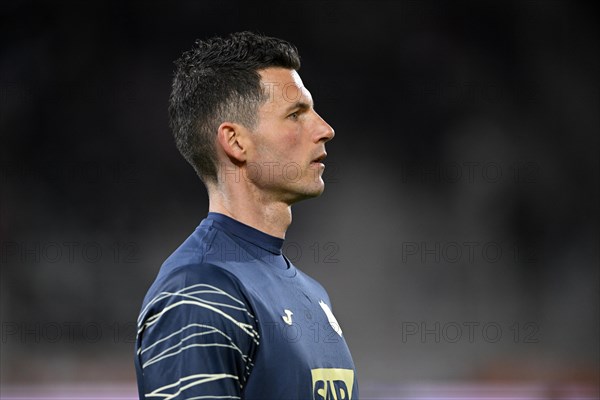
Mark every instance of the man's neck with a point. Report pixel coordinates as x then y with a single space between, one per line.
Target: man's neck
267 216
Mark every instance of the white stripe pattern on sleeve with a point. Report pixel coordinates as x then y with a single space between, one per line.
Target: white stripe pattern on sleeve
172 340
197 379
197 301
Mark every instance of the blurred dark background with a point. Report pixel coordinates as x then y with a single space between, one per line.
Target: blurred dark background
458 233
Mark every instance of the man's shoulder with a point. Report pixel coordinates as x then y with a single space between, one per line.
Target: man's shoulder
306 280
181 274
190 265
190 281
193 257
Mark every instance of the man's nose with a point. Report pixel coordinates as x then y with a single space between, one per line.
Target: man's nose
325 131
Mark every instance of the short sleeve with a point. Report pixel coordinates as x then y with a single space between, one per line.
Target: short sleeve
197 337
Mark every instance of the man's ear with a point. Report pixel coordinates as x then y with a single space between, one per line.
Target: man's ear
231 139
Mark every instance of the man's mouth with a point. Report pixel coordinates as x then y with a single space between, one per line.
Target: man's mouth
319 159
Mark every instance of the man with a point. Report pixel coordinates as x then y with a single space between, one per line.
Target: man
229 316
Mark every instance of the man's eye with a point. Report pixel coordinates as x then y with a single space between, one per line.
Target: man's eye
294 115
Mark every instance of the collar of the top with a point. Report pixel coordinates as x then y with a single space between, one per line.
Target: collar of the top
245 232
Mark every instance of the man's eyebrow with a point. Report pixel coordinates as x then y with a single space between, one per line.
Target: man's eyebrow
299 105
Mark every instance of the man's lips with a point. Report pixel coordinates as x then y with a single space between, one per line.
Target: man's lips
319 159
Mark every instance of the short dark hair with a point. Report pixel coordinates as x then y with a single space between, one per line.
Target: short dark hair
216 81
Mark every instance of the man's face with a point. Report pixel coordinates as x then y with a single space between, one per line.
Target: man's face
288 144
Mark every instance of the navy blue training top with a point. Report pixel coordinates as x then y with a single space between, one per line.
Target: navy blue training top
230 317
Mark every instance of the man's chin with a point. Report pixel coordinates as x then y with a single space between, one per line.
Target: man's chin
308 193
